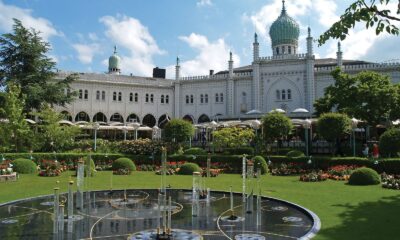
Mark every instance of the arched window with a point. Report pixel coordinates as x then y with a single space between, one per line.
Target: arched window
221 97
114 96
86 94
136 97
119 96
283 95
167 99
289 94
80 94
147 97
206 98
278 95
162 98
191 99
277 51
201 98
187 99
97 95
216 98
244 97
289 49
103 95
130 97
151 98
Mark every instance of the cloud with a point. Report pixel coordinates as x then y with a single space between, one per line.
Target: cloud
211 55
8 12
202 3
86 52
130 34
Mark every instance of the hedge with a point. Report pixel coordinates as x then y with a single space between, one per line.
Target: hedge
388 165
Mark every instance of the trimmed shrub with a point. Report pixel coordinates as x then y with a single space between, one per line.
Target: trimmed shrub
295 154
123 163
364 176
239 151
22 165
389 142
189 169
195 151
259 162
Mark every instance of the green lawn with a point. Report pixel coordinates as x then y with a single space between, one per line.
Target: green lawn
346 212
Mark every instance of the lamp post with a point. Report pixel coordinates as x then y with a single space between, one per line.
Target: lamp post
213 126
135 126
256 125
354 123
96 126
306 126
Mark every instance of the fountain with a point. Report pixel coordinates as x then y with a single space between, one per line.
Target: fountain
80 175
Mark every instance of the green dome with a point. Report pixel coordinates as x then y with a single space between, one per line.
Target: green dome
114 60
285 30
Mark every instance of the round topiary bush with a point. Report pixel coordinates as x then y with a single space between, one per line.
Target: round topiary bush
295 154
189 169
364 176
389 142
259 162
22 165
195 151
123 163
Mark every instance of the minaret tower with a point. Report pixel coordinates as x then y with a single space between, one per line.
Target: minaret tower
339 55
177 69
230 91
256 48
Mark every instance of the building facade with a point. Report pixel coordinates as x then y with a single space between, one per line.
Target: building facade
287 80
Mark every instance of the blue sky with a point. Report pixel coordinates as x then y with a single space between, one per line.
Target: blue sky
202 32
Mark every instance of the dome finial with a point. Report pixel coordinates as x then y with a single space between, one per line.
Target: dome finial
283 6
255 38
177 61
115 49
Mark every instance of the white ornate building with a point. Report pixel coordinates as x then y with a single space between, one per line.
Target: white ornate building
286 80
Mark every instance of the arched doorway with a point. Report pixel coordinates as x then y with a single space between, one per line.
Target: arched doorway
149 120
66 116
203 119
116 117
82 116
188 118
164 119
133 118
99 117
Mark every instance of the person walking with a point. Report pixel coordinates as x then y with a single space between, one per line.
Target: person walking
375 151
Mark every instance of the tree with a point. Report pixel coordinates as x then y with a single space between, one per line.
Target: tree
382 17
52 135
178 130
23 61
368 96
233 137
15 132
276 126
389 142
331 126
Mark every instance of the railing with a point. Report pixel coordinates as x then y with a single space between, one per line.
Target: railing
359 67
284 57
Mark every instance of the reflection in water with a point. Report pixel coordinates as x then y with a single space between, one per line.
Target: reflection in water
135 214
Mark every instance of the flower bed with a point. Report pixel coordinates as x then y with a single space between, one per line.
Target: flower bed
122 171
284 169
341 172
314 177
50 168
390 181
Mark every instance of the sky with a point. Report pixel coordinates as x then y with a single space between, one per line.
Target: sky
150 33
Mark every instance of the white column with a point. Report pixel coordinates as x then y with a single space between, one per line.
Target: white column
177 99
230 89
256 103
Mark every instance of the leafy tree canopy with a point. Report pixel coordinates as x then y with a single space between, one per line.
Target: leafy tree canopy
276 125
333 125
178 130
368 96
15 133
23 61
382 14
233 137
